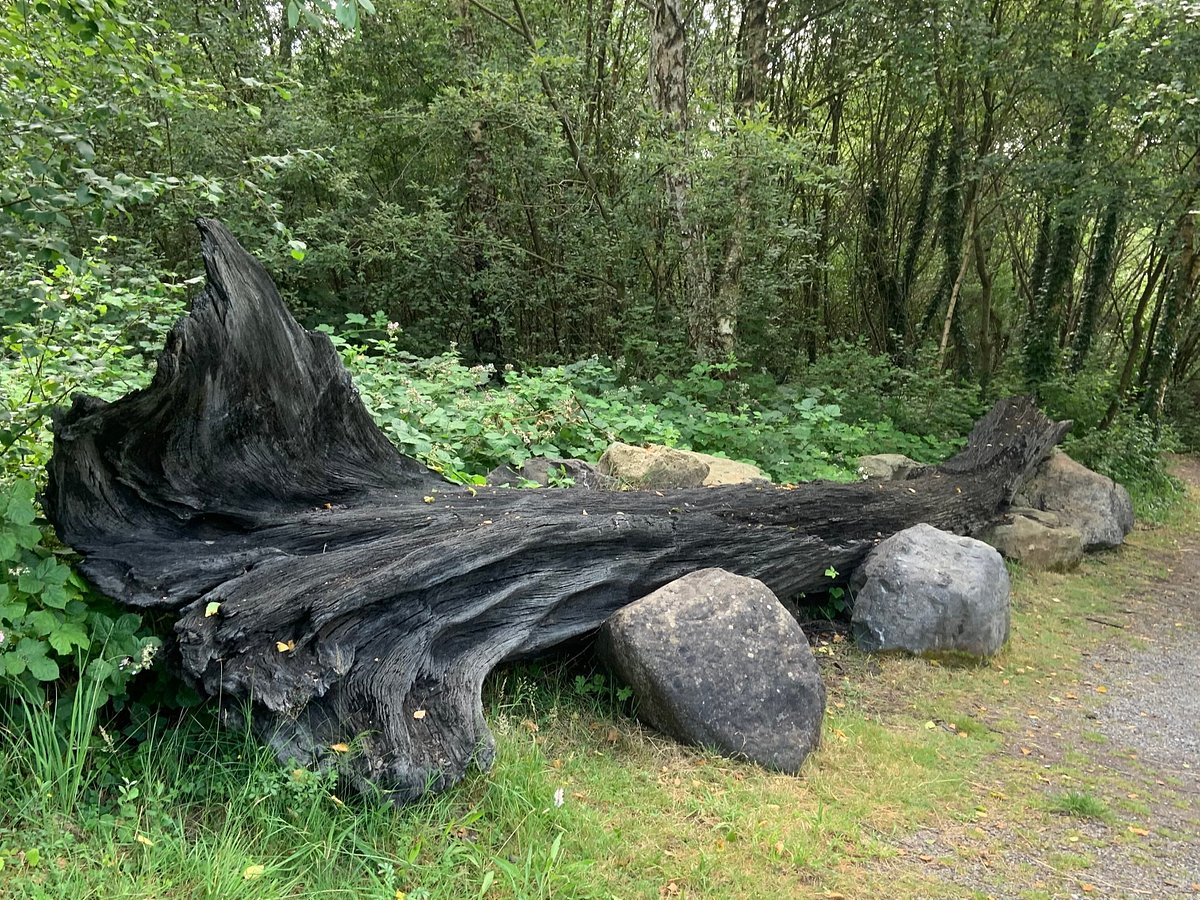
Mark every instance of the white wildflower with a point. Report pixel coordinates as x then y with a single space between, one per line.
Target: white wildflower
393 327
148 652
558 797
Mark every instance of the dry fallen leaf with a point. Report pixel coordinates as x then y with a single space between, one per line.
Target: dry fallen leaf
212 609
144 841
427 499
340 748
1087 888
418 714
250 873
1101 689
285 646
1139 831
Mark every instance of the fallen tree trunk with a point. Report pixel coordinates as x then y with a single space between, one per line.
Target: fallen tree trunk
349 593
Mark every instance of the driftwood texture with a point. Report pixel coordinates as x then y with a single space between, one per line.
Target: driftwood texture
249 475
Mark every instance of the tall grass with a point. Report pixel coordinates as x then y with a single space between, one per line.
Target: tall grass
52 735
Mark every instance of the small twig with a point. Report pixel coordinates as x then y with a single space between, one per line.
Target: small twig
1100 621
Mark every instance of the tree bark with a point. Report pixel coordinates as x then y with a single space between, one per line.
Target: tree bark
710 328
349 595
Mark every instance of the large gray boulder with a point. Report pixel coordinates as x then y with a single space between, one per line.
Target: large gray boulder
1097 506
657 467
715 660
923 590
1036 539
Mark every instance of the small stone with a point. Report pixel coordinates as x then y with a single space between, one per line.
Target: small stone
1037 540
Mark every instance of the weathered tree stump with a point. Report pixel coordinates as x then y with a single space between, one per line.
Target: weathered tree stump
249 475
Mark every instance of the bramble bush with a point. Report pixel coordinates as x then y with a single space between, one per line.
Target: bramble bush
465 420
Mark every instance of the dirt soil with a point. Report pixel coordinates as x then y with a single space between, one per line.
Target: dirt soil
1128 736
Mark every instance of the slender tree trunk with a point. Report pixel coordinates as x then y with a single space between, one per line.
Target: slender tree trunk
986 282
1043 332
486 333
817 289
952 305
751 90
1096 284
1162 358
710 328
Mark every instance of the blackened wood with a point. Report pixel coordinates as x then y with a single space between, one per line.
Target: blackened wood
249 475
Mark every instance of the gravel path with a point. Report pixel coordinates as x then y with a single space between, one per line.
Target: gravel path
1152 722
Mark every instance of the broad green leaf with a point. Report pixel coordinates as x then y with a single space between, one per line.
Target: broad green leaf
27 536
40 666
43 622
29 583
100 669
20 503
67 636
10 612
54 596
346 12
293 12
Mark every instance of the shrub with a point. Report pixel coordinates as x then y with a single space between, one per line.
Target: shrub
1130 451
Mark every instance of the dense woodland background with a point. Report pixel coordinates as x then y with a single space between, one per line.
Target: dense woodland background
979 197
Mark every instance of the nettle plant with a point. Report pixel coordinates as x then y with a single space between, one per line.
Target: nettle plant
52 624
